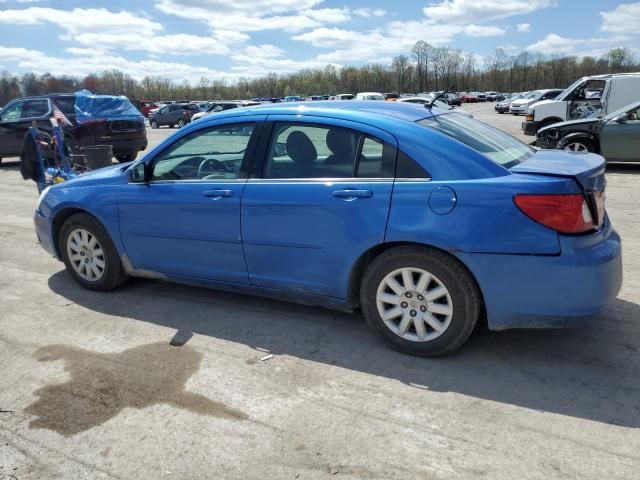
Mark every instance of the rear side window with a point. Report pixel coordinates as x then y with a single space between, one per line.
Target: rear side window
406 167
326 151
35 108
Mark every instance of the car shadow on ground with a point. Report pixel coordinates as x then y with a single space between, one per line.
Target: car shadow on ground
591 372
626 168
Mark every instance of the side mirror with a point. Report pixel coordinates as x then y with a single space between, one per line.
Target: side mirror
138 174
622 118
281 149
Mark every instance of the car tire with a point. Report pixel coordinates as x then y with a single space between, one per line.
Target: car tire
580 145
84 241
153 124
439 311
181 123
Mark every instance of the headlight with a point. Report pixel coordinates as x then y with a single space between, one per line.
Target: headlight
42 195
530 111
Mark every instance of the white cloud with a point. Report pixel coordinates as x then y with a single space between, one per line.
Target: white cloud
553 43
461 11
369 12
96 62
523 27
624 19
483 31
262 59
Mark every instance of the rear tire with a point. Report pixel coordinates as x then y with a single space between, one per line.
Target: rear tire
181 123
154 124
433 316
129 157
89 254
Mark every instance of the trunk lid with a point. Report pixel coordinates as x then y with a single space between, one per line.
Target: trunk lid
586 169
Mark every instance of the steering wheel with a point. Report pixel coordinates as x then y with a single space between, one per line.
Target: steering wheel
210 166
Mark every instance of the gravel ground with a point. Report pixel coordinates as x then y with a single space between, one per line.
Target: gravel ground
92 388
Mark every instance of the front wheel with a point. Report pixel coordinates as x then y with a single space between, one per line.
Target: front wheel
89 254
420 301
154 124
579 146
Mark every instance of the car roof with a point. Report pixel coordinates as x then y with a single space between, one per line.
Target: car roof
372 112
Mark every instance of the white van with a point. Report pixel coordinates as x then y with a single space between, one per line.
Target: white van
600 94
370 96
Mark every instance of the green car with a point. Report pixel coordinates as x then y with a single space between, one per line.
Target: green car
616 137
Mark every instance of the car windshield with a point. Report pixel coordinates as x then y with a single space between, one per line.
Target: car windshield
491 142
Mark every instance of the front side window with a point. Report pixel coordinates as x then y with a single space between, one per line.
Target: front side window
491 142
34 108
326 151
210 154
12 112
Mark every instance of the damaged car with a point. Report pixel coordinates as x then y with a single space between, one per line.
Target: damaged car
616 136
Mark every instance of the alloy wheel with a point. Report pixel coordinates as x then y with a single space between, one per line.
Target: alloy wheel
414 304
576 147
86 254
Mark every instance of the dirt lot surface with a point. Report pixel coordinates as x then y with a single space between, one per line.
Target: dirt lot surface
92 388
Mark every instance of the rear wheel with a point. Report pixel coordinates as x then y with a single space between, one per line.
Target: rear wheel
126 157
420 300
154 124
89 254
579 146
181 123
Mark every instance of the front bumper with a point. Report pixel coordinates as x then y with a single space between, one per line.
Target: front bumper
44 232
531 291
530 127
518 110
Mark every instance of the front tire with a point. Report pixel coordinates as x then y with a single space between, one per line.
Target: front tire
579 146
89 254
154 124
420 300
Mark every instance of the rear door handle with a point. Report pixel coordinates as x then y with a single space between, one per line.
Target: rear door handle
218 193
352 194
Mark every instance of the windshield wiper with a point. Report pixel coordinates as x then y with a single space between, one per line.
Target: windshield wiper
440 95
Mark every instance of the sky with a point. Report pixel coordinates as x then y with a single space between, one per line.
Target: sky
184 40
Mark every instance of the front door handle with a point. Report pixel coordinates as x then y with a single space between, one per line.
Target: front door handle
350 195
218 193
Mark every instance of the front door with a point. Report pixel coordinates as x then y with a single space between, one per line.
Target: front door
320 200
185 221
620 138
15 121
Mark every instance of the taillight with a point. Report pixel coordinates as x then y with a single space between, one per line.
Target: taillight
563 213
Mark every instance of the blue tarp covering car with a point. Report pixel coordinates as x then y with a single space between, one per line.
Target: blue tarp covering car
90 107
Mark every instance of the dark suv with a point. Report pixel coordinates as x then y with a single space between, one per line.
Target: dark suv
127 137
174 114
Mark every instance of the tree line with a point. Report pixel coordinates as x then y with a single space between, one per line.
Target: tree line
425 68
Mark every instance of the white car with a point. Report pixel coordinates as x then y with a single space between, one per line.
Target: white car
519 107
370 96
216 107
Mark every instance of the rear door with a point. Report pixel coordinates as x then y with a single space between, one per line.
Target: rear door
319 200
16 120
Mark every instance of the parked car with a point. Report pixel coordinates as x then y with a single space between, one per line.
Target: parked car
502 106
175 114
586 96
482 97
467 97
369 96
424 257
344 96
126 134
491 96
315 98
293 98
145 107
391 97
520 106
217 107
615 136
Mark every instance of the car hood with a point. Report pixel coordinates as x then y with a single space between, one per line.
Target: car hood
103 176
521 102
580 122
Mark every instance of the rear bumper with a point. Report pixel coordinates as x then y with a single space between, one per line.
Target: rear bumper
530 127
531 291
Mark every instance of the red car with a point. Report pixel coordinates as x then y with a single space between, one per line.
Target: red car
146 106
467 97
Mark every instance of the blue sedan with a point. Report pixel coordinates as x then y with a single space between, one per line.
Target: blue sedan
426 219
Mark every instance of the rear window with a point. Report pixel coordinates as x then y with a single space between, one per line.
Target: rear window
498 146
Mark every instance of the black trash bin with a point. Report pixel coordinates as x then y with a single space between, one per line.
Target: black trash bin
98 156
